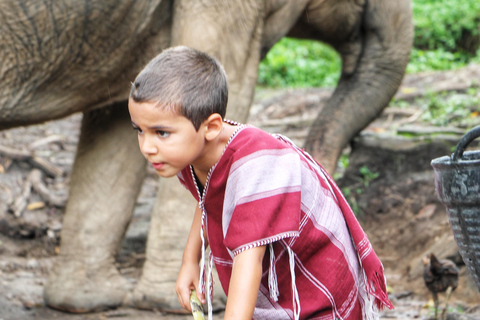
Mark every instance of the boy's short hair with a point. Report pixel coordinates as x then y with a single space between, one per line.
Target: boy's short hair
186 80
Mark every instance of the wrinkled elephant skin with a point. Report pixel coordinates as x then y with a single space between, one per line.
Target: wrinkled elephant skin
62 57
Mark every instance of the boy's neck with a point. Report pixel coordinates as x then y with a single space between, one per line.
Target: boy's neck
213 151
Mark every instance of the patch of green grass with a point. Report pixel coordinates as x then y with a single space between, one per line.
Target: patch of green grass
451 309
440 24
432 60
459 109
368 176
350 196
300 63
352 193
305 63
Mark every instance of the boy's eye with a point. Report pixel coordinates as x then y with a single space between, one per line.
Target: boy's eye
137 129
163 134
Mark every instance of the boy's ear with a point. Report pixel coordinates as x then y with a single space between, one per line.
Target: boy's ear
213 126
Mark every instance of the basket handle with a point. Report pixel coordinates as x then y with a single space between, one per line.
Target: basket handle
464 142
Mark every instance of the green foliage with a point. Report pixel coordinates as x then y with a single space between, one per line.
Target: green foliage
350 197
352 193
450 309
300 63
342 165
440 24
442 109
368 176
439 59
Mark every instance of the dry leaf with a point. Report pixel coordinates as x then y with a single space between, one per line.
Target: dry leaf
36 205
408 90
427 211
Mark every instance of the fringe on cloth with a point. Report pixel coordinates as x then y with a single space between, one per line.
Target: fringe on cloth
272 276
374 294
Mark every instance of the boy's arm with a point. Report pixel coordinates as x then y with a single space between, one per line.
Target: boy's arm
244 284
189 274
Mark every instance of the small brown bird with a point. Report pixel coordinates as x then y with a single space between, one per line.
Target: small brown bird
440 275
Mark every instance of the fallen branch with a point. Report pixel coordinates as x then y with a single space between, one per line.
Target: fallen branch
47 140
46 166
42 190
35 181
412 118
20 203
419 85
14 153
37 162
428 130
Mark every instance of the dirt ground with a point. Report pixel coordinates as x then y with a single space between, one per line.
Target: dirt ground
395 198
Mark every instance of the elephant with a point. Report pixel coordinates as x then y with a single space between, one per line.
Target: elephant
66 56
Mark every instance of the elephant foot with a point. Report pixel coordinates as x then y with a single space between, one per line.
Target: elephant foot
156 290
78 288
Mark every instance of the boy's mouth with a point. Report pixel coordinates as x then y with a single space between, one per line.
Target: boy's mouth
157 166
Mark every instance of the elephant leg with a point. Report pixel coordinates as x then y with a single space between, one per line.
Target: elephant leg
105 182
169 227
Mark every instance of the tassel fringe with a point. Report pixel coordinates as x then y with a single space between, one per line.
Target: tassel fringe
272 276
296 299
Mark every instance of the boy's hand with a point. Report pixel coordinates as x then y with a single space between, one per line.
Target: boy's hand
187 281
189 274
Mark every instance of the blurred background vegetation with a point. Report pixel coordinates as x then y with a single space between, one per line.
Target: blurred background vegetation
447 36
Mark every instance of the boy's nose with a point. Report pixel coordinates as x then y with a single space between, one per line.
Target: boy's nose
147 147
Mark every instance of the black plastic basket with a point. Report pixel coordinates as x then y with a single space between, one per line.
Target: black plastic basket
457 182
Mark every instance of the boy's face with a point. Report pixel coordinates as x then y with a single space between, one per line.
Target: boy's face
167 140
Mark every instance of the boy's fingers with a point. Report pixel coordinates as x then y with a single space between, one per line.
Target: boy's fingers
201 296
184 299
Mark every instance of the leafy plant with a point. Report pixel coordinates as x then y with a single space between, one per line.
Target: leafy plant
300 63
440 24
442 109
350 197
439 27
439 59
368 176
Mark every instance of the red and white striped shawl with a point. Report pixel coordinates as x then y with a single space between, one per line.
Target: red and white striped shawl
319 263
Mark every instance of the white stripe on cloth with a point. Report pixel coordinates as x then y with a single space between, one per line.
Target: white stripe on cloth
317 283
321 209
266 309
327 218
248 180
370 311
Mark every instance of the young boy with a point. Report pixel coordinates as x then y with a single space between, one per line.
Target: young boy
283 239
